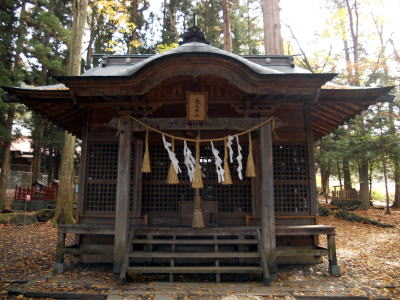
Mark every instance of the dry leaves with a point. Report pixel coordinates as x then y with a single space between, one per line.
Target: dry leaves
369 258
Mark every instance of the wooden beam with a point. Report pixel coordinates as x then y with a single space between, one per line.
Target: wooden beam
325 118
323 126
329 110
342 108
123 190
267 197
238 124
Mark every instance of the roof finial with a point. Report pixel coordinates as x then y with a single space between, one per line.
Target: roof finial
194 34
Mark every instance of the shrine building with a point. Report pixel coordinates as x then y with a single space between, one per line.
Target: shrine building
197 160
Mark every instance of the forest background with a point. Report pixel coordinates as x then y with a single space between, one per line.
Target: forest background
359 40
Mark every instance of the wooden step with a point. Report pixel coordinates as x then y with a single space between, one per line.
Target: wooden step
186 231
301 251
194 254
196 269
197 242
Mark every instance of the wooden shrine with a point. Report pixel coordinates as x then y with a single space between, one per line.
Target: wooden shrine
141 223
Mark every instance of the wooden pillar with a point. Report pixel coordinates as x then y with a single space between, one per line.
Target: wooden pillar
60 251
267 198
312 184
123 189
82 185
333 266
83 166
137 179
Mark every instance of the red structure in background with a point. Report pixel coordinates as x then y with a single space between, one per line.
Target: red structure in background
35 193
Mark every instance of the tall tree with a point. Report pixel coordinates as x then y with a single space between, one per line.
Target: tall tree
227 26
273 42
37 140
209 20
65 194
5 166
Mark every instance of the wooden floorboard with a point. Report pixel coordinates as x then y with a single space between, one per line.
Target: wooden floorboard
196 269
197 242
194 254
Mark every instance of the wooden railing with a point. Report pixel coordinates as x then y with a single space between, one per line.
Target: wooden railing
31 193
345 195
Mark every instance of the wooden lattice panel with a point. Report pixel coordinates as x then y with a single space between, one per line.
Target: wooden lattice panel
165 197
291 198
103 161
291 179
231 198
100 197
157 195
102 166
290 162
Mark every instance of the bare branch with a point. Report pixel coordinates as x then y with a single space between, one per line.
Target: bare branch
306 61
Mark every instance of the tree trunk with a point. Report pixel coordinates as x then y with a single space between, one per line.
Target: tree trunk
65 194
371 168
5 165
227 26
50 170
387 211
363 177
57 163
346 174
325 174
19 42
395 159
273 43
92 36
396 203
79 11
37 137
134 17
339 174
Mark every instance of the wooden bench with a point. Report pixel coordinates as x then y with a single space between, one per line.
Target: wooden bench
307 230
61 249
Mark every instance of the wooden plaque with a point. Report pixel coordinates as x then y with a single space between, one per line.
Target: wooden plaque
196 107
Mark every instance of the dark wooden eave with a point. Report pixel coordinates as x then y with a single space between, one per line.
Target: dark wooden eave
334 107
331 109
58 106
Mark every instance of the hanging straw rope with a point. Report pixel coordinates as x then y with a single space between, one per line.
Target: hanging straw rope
146 167
172 175
271 119
250 168
227 171
197 181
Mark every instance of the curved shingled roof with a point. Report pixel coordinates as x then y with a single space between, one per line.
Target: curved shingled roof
189 49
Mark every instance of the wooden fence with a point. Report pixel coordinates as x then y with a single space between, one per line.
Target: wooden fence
33 193
343 195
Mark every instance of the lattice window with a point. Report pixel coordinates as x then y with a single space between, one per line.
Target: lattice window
291 179
103 161
165 197
160 196
290 162
101 197
231 198
291 198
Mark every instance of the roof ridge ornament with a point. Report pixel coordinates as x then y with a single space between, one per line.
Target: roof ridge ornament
194 34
